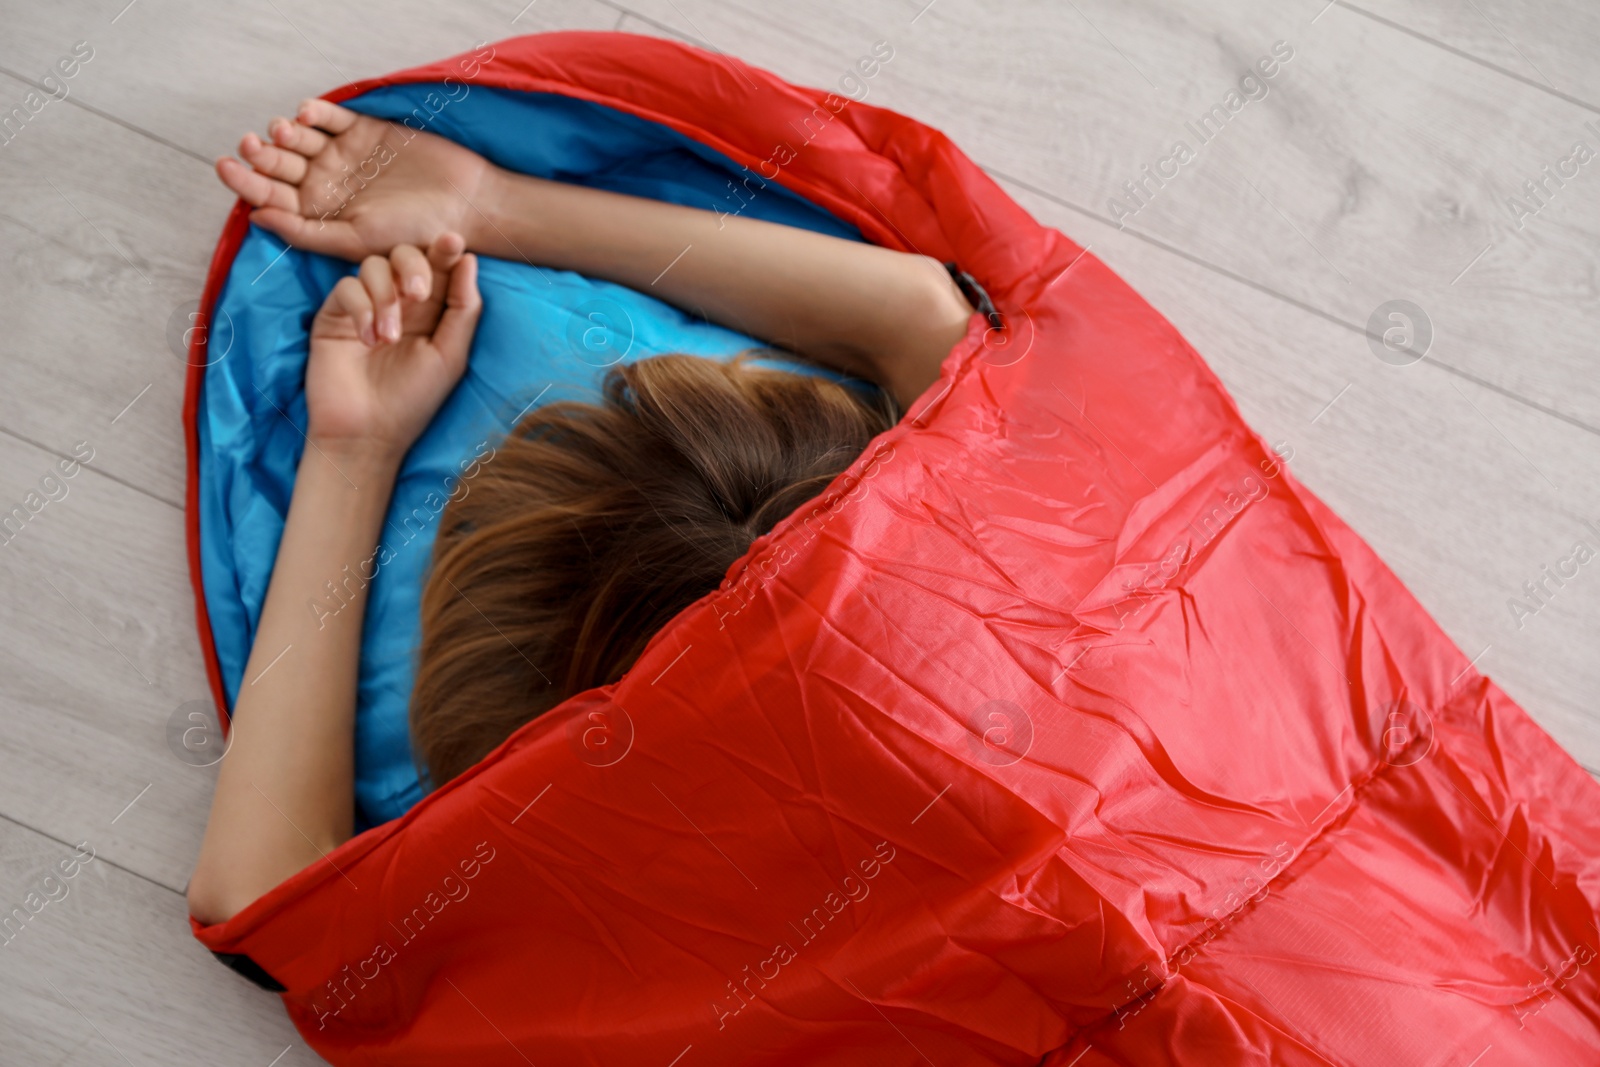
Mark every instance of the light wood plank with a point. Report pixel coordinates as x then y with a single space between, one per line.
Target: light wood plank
1550 44
1375 168
107 233
102 257
98 652
105 973
200 75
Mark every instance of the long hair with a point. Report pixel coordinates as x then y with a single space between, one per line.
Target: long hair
592 525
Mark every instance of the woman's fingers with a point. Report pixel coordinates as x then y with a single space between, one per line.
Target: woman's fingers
256 188
351 298
325 115
462 306
445 251
273 161
412 272
377 275
374 296
290 144
330 236
296 137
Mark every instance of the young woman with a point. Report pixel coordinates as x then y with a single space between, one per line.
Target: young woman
595 524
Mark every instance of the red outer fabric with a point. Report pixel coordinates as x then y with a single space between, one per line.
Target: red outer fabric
1068 727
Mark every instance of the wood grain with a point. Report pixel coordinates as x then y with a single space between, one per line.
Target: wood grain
1548 45
198 76
99 652
105 974
1377 167
106 234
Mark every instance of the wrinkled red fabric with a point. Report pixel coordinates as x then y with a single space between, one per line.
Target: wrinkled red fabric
1067 727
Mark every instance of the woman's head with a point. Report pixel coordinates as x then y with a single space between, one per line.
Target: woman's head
594 524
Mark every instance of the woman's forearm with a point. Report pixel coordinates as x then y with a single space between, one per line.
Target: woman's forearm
284 791
883 315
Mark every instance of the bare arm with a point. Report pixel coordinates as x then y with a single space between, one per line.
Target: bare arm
380 364
883 315
284 793
887 316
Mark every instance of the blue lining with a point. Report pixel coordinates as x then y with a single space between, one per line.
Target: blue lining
545 335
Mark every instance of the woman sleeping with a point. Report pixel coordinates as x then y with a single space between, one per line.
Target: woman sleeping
594 524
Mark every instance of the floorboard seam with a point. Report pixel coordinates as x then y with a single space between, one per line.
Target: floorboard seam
90 467
1225 272
99 856
1469 57
1004 177
647 20
91 109
1296 302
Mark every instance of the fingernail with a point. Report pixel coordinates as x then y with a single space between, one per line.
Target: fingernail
391 324
417 288
368 338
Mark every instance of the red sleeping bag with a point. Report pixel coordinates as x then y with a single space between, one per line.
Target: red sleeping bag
1066 727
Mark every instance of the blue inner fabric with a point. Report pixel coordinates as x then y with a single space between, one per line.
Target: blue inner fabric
545 335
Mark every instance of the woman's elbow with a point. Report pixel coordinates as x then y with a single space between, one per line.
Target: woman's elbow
932 317
215 897
208 903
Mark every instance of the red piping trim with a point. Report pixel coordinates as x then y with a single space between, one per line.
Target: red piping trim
233 232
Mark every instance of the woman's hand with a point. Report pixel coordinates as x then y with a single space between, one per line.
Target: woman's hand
887 316
348 185
388 346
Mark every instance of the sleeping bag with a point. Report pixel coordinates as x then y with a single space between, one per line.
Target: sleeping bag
1065 727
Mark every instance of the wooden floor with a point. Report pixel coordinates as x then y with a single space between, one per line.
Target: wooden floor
1377 167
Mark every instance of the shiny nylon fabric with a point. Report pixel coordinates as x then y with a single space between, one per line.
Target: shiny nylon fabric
1067 727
